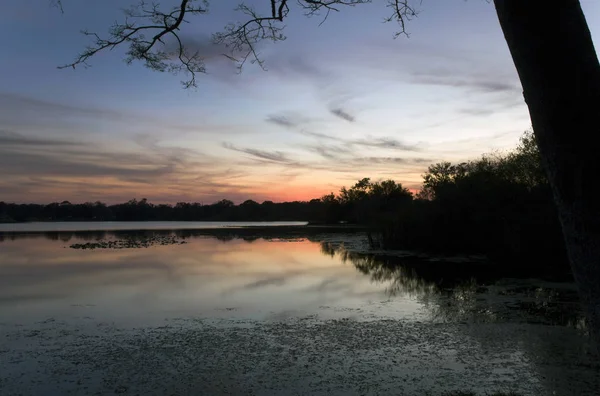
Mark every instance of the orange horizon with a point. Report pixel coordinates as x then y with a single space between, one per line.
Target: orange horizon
277 197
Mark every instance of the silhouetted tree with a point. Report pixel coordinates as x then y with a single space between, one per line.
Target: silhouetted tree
499 205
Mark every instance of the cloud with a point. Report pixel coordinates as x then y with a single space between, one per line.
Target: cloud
281 121
329 151
385 143
19 110
41 169
261 283
319 135
33 156
16 140
272 156
291 120
488 83
344 115
204 46
293 67
477 111
391 160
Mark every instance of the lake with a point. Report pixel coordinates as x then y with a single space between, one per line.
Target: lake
137 225
273 311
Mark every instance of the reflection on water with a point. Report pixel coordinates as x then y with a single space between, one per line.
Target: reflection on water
228 273
244 273
452 315
469 291
84 226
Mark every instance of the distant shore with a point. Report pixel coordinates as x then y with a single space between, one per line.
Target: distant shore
207 227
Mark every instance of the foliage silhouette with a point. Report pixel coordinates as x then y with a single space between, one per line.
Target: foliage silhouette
498 205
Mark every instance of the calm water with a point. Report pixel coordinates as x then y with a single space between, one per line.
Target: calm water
42 277
231 312
136 225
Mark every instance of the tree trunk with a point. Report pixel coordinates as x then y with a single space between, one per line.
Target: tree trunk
554 55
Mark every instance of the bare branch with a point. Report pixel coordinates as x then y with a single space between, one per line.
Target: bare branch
57 4
313 7
146 27
402 12
151 50
241 39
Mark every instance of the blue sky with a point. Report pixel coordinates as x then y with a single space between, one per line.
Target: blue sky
338 102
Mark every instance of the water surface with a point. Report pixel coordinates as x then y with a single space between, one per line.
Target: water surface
42 276
137 225
271 312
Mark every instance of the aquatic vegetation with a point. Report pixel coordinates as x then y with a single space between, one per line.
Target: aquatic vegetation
131 243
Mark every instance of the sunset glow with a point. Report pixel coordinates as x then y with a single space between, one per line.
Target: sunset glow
337 103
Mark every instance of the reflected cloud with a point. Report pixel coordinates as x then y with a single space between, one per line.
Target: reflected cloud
274 281
193 275
218 268
472 292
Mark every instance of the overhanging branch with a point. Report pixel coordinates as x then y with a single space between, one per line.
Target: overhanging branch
146 27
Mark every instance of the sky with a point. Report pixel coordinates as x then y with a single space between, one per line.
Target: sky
338 101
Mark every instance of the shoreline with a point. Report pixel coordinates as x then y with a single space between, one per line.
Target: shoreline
209 229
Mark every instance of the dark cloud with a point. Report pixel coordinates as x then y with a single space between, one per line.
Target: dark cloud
281 120
15 139
41 168
292 120
17 109
344 115
34 156
272 156
55 165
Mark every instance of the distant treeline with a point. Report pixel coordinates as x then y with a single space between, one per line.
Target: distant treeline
349 206
143 210
499 205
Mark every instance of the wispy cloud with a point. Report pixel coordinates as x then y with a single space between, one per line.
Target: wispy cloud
486 83
344 115
348 145
391 160
385 143
19 110
281 120
44 168
273 156
261 283
330 151
477 111
28 155
16 140
319 135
